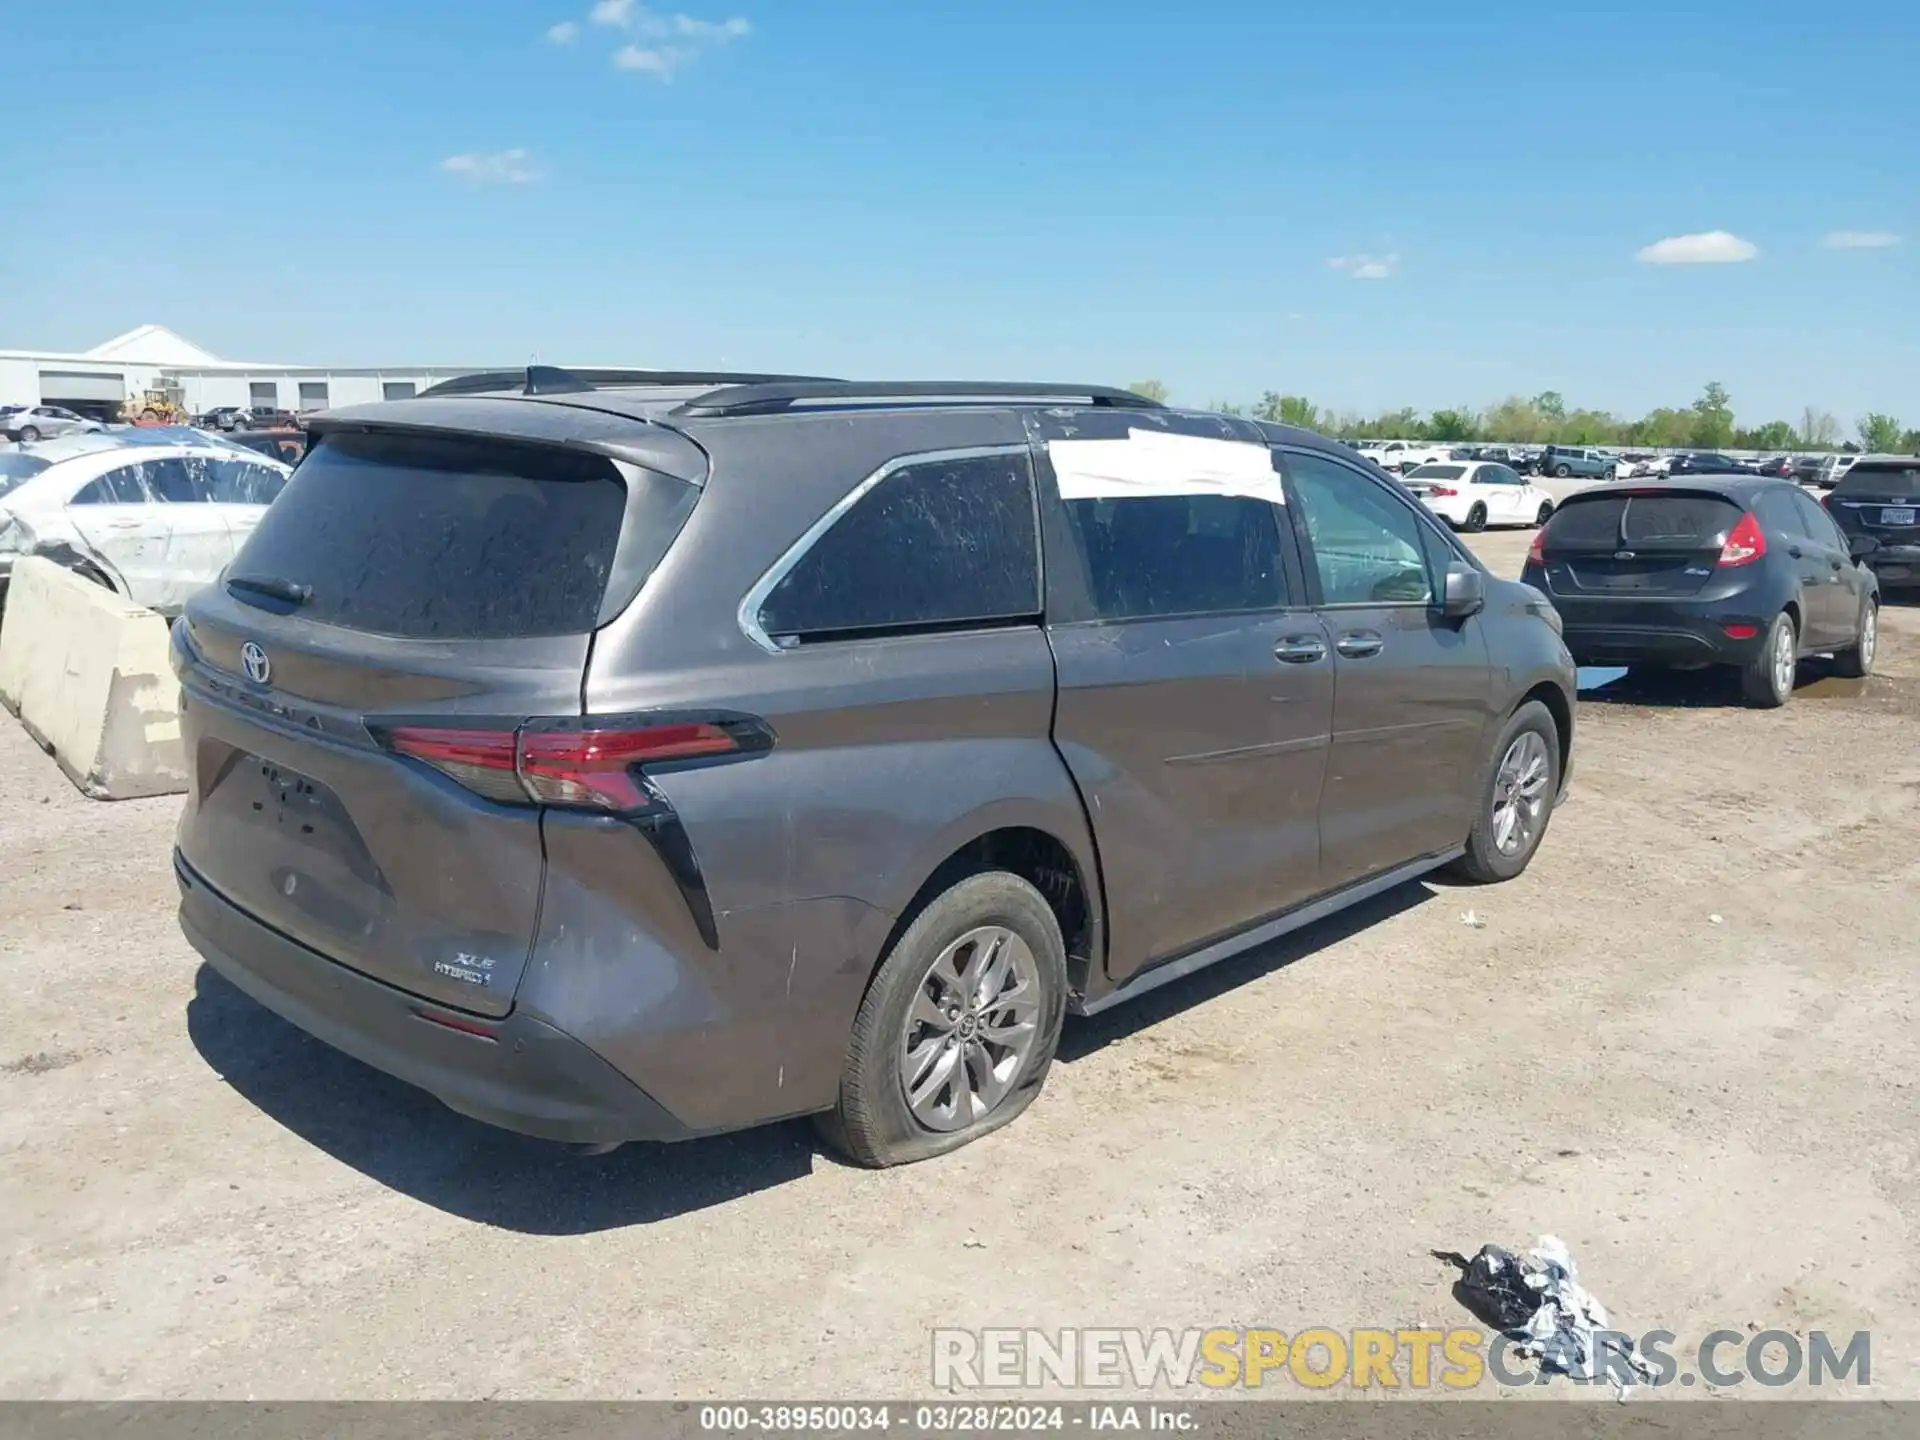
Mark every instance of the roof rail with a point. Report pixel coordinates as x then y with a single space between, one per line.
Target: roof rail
769 397
552 380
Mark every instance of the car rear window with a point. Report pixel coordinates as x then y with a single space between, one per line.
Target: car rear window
436 538
1882 479
1438 472
1653 522
16 469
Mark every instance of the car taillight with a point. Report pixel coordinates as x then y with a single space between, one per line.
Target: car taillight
1537 551
1441 490
596 764
1745 543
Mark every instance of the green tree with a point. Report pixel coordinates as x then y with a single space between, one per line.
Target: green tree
1151 389
1666 428
1880 432
1551 405
1774 435
1300 411
1459 424
1221 407
1712 418
1589 427
1910 443
1515 419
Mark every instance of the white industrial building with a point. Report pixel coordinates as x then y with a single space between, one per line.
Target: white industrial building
96 382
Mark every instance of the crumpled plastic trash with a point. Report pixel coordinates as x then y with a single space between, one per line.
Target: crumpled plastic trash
1539 1303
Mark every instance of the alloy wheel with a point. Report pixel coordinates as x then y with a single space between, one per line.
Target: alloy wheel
1869 636
1520 793
1783 659
974 1022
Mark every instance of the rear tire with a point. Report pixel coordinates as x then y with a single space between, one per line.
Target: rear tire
1562 471
1856 662
912 1005
1476 520
28 434
1766 681
1523 777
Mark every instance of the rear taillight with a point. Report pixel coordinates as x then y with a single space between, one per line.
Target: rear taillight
1537 551
597 764
1442 490
1745 543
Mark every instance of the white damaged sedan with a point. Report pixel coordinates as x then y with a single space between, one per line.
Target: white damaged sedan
1473 494
153 515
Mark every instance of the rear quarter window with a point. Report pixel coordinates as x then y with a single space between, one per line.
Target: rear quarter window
937 543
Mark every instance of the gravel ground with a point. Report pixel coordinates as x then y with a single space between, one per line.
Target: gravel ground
1683 1042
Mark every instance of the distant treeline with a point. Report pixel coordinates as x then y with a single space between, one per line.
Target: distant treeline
1707 424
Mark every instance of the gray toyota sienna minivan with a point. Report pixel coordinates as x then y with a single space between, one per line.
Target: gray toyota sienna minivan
629 755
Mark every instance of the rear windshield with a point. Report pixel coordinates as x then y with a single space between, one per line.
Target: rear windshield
1649 522
1888 479
16 468
1438 472
443 539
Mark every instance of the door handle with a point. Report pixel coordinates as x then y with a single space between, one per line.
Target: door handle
1359 645
1794 551
1834 561
1299 650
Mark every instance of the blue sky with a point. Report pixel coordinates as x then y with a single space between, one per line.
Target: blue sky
1067 190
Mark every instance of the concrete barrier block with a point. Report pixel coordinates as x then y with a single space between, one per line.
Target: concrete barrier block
87 673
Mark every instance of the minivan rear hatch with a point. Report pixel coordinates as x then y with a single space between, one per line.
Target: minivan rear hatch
1635 544
355 690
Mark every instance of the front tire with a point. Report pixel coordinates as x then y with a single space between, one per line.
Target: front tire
1546 514
1516 799
1766 681
1476 520
959 1028
1562 471
1856 662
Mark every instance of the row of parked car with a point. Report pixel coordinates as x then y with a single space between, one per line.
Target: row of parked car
1585 462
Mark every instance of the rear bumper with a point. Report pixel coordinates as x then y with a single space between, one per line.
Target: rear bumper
1897 564
1670 643
522 1075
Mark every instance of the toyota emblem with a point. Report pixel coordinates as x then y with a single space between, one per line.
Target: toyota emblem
259 668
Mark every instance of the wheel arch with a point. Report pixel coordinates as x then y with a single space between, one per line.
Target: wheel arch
1066 875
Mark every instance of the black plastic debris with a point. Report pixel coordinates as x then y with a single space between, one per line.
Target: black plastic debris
1536 1302
1495 1288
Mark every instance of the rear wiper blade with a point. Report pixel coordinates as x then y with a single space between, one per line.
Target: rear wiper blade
291 591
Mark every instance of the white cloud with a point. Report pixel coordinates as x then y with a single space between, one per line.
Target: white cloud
565 33
1860 240
1366 267
1710 247
664 41
662 61
501 167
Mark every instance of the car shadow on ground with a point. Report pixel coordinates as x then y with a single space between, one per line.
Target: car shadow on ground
1713 689
1083 1036
405 1139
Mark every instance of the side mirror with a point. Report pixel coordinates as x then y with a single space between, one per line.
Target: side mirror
1466 591
1861 546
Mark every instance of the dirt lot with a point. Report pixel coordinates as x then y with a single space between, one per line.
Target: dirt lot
1684 1042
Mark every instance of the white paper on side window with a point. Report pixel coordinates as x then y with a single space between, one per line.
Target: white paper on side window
1149 462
